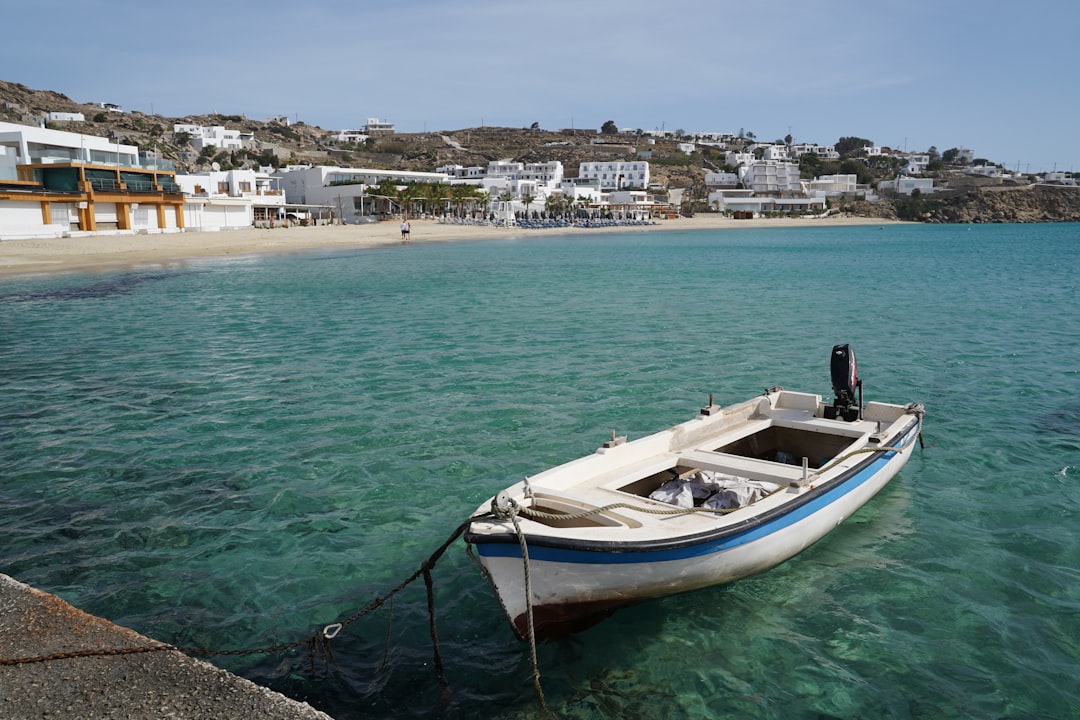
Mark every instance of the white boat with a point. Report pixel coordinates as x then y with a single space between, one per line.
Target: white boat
758 482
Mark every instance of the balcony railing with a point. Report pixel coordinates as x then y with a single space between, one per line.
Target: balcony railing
104 184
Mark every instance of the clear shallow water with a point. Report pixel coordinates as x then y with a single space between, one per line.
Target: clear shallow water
231 453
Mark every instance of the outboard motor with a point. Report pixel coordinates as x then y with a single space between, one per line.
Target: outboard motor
845 380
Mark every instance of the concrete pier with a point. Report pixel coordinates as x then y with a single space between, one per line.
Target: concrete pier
162 684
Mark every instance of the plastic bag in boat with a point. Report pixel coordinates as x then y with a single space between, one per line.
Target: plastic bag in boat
713 490
674 492
736 492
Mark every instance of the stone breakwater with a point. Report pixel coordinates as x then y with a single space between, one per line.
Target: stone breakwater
163 684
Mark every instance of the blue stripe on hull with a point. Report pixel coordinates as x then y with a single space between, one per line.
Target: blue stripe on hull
564 555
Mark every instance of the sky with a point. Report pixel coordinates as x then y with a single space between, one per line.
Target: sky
997 78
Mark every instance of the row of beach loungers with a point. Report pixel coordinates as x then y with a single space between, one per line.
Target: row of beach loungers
482 222
595 223
539 224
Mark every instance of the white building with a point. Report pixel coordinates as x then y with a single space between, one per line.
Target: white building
537 180
578 190
213 135
721 179
916 164
713 139
629 204
616 175
375 126
776 153
771 177
746 201
1059 178
991 171
111 107
737 159
349 192
66 117
227 199
460 172
548 174
350 136
831 185
825 152
905 185
32 144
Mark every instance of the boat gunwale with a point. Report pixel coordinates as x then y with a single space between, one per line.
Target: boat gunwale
726 532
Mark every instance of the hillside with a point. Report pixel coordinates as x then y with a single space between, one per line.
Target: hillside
278 144
964 199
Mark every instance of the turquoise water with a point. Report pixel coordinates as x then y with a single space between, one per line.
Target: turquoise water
232 453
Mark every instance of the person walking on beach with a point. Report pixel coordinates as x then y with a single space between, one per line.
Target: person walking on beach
405 230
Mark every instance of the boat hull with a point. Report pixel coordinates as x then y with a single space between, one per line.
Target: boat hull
576 583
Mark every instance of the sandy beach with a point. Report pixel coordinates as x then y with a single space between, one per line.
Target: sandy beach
102 252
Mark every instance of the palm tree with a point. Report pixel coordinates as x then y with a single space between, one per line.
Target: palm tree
459 194
435 193
527 199
387 191
405 195
483 199
554 203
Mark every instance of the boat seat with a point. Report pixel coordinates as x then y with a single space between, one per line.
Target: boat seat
742 466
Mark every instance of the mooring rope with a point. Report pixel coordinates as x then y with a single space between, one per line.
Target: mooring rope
317 645
529 610
503 508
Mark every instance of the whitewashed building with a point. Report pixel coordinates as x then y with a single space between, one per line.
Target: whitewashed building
832 185
737 159
616 175
350 136
916 164
1059 178
537 180
375 126
905 185
771 177
66 117
713 139
825 152
746 201
721 179
349 192
576 190
776 153
227 199
212 135
460 172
